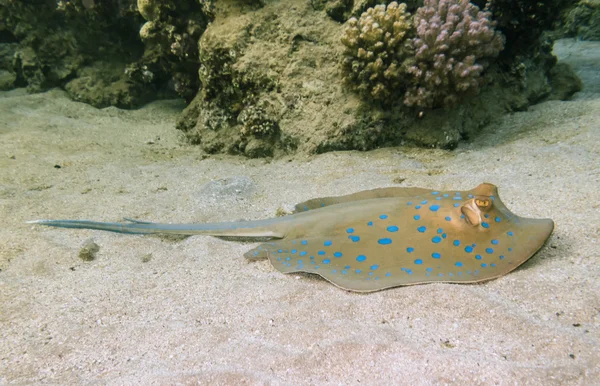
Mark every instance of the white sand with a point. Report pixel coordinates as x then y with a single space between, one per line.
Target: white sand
198 313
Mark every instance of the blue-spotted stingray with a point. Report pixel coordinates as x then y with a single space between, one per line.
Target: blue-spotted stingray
381 238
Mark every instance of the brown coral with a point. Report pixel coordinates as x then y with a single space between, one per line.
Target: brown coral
376 47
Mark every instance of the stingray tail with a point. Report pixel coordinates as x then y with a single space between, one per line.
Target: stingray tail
258 228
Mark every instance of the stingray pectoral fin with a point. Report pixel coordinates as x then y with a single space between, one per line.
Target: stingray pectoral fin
351 263
530 236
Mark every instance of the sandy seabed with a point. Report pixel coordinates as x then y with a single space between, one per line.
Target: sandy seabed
157 310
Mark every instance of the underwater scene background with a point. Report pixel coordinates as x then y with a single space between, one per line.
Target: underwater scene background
205 111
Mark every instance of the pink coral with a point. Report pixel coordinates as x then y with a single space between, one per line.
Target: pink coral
454 39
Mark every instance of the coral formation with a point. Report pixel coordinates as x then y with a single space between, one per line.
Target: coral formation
170 36
47 43
454 40
376 48
433 65
263 77
583 20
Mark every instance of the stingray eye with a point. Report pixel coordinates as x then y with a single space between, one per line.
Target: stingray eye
483 203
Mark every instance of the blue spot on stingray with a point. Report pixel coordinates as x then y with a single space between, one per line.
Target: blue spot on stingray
423 202
428 269
410 249
418 261
287 258
448 218
462 216
458 264
468 249
392 228
370 223
501 257
446 195
436 239
374 267
418 207
300 262
436 255
497 219
344 272
440 230
416 217
470 195
435 193
457 198
408 271
354 238
337 254
305 207
279 259
510 233
510 249
388 274
347 267
322 205
312 257
485 224
303 242
440 274
444 235
483 265
456 205
422 229
438 198
280 251
294 251
316 267
321 253
486 215
493 265
478 257
361 258
383 216
434 208
384 241
350 230
456 243
489 250
357 271
327 243
409 203
303 253
495 242
334 271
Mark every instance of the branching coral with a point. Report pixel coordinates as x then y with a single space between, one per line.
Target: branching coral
454 39
376 47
